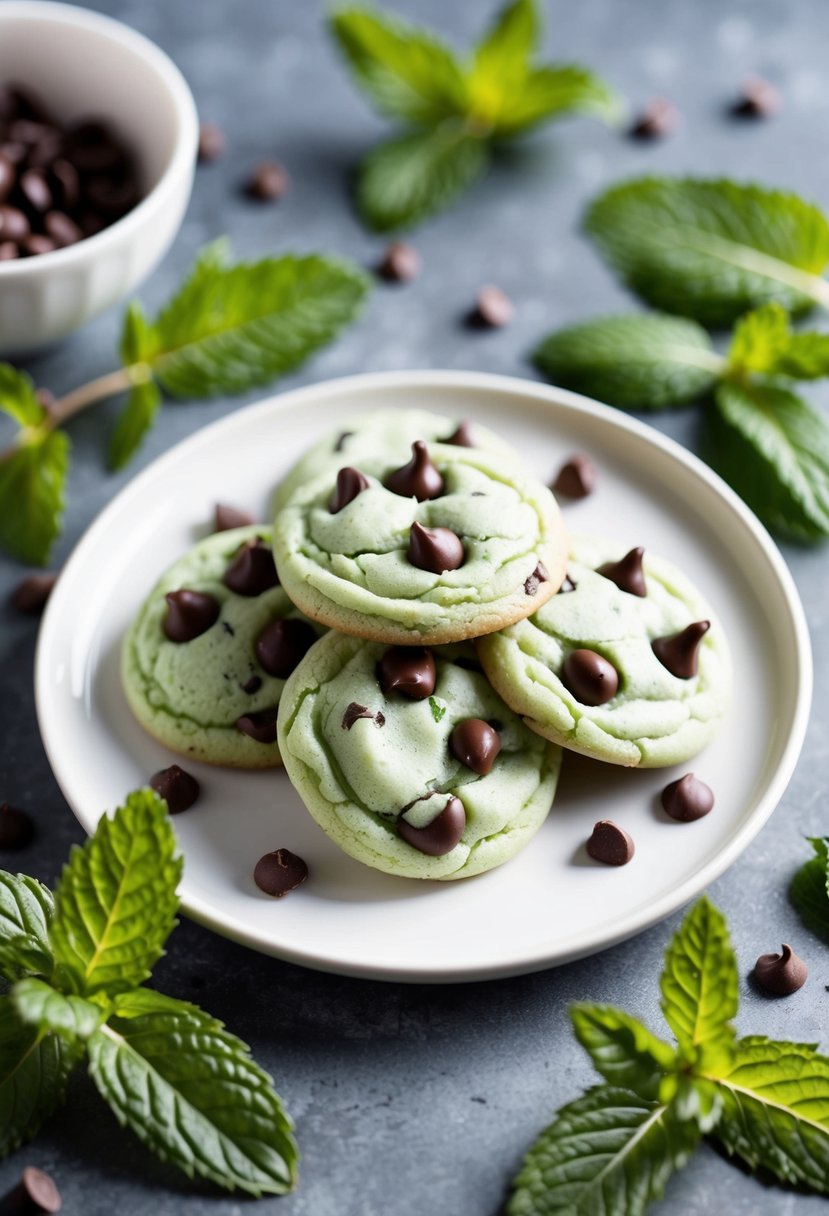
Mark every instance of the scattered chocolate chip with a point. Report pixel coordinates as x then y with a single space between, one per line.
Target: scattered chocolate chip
260 726
540 575
419 478
282 644
687 799
252 570
659 119
493 309
679 652
355 711
567 586
409 670
17 828
441 835
610 844
279 872
627 573
227 518
35 1193
189 614
781 974
400 263
434 549
178 788
31 594
212 143
268 182
462 435
576 478
350 483
476 744
341 438
252 685
590 678
758 99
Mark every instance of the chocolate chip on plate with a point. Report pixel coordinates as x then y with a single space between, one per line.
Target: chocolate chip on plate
687 799
252 570
17 828
409 670
590 677
475 744
679 652
189 614
781 974
434 549
493 308
627 573
282 644
400 263
212 142
350 483
758 99
418 478
610 844
178 788
576 478
441 835
279 872
227 518
35 1193
30 595
659 119
268 182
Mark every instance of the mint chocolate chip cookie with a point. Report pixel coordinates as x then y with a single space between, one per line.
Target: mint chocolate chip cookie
206 659
626 664
453 543
410 761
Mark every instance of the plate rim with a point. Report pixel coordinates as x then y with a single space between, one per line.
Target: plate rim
539 393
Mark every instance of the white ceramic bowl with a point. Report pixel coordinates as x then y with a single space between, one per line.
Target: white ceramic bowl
85 65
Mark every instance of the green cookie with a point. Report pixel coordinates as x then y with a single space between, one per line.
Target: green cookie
211 698
661 713
371 737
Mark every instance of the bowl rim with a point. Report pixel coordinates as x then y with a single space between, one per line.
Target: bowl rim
182 157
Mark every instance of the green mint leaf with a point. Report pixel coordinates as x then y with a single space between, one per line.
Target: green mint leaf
32 485
773 448
406 71
139 341
26 910
699 980
116 901
135 420
192 1094
648 362
18 398
405 179
809 891
622 1049
695 1098
764 343
502 60
34 1069
555 91
438 710
609 1152
712 250
40 1005
776 1110
231 328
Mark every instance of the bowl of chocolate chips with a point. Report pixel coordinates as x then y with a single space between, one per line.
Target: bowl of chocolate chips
98 139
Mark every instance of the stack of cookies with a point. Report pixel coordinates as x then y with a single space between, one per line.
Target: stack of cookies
416 641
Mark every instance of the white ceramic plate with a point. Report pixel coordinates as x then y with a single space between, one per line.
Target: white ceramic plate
549 904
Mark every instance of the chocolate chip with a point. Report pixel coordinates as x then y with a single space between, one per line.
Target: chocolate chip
679 652
441 835
252 685
35 190
400 263
590 677
252 570
261 726
350 483
493 308
282 644
781 974
7 177
63 230
227 518
189 614
567 586
341 438
610 844
91 147
540 575
178 788
687 799
8 251
476 744
31 594
419 478
355 711
462 435
659 119
17 828
434 549
279 872
758 99
35 1193
13 224
268 182
228 628
627 573
36 243
409 670
576 478
212 143
67 184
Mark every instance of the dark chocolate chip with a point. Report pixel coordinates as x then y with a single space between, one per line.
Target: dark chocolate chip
35 1193
66 182
341 438
567 586
493 308
400 263
540 575
8 251
268 182
13 224
31 595
758 99
279 872
659 119
189 614
178 788
418 478
589 677
353 713
228 628
35 190
462 435
252 685
63 230
350 483
679 652
261 726
687 799
252 570
212 142
36 243
113 197
610 844
7 177
627 573
17 828
441 835
434 549
92 148
282 644
476 744
409 670
576 478
227 518
781 974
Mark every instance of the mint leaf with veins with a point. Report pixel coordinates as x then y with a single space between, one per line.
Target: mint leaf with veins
438 709
809 891
32 493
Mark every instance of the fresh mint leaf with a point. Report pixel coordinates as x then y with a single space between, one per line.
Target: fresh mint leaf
712 249
34 1068
139 340
438 710
135 420
624 1051
404 180
773 448
192 1094
809 891
504 53
699 980
764 342
609 1152
647 362
694 1098
38 1004
32 485
18 398
553 92
116 901
26 910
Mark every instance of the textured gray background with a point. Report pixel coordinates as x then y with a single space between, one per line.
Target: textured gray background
411 1100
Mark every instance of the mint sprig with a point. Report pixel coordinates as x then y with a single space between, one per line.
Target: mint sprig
809 891
614 1149
171 1073
457 110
